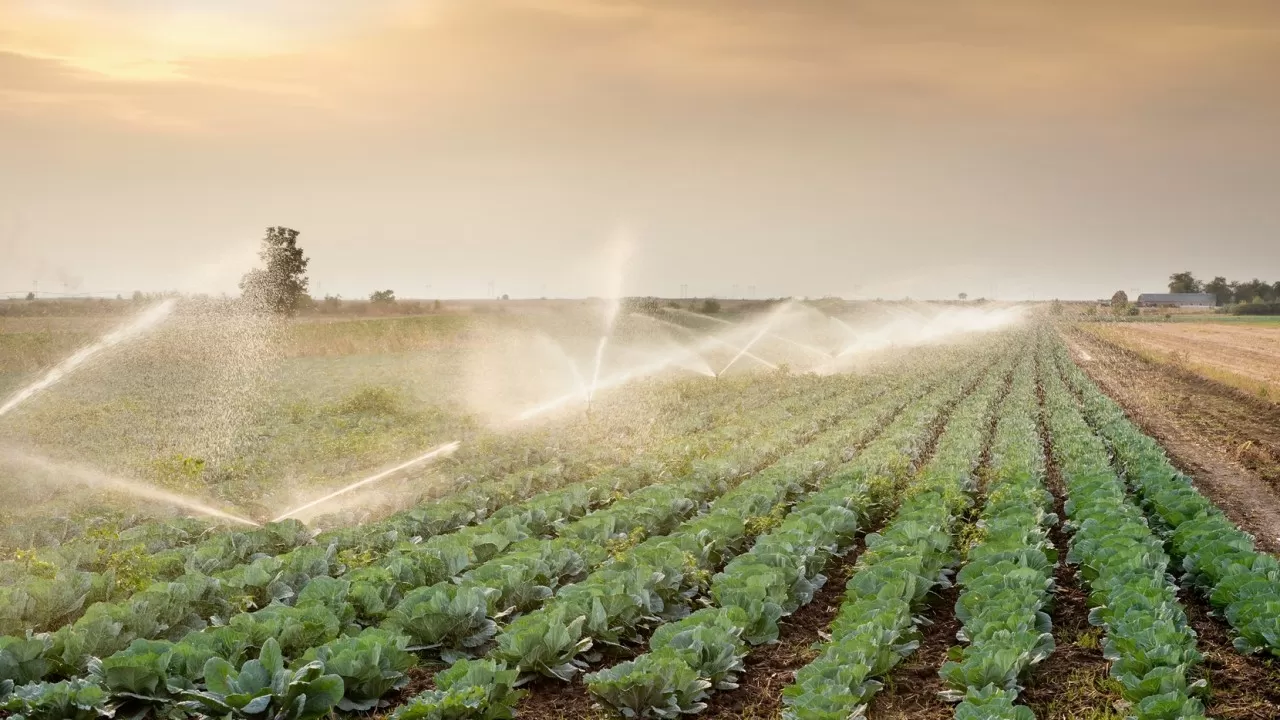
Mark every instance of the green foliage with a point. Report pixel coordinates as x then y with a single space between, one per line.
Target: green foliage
382 297
1184 282
548 643
452 619
67 700
279 287
469 690
370 664
658 685
1007 580
22 660
1148 639
265 688
876 627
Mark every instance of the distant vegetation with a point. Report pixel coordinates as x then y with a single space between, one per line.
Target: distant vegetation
281 287
1228 292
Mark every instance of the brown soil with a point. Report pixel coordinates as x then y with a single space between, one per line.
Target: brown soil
769 668
911 690
1242 688
421 679
550 699
1250 352
1229 444
1072 682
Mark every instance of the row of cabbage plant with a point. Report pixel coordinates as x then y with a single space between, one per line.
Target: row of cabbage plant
661 579
876 626
41 548
1151 647
60 592
326 607
692 657
1007 579
1218 559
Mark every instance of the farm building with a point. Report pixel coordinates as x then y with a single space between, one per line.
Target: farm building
1177 300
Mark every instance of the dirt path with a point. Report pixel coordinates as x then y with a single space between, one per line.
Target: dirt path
1229 446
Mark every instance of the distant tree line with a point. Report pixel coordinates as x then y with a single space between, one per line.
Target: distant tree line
1226 292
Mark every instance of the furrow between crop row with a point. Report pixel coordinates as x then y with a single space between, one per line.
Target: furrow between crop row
876 626
693 656
1151 647
1007 578
364 593
44 602
662 577
1217 558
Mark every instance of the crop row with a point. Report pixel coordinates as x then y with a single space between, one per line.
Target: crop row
876 625
1007 577
1218 559
51 586
661 579
1147 639
169 610
326 607
693 656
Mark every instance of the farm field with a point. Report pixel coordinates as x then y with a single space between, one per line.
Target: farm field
969 529
1243 356
1228 441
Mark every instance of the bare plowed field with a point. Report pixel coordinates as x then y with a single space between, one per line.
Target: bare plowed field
1246 357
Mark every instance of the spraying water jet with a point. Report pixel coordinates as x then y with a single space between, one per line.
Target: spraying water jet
147 320
65 472
443 450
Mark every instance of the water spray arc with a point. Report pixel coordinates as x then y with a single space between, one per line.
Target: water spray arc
442 451
613 303
147 320
781 310
77 474
764 330
710 339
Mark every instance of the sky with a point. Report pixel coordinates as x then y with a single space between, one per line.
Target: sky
440 148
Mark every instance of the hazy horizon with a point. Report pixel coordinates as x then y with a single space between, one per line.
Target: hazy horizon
1016 150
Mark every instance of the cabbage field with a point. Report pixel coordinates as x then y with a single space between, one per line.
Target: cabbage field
969 531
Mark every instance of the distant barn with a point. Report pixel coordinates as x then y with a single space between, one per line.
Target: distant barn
1177 300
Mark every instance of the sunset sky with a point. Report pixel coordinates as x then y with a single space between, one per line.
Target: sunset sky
1014 148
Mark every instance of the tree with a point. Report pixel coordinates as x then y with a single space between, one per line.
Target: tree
964 296
31 296
1184 282
710 306
1120 303
1220 289
1253 290
382 297
280 286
